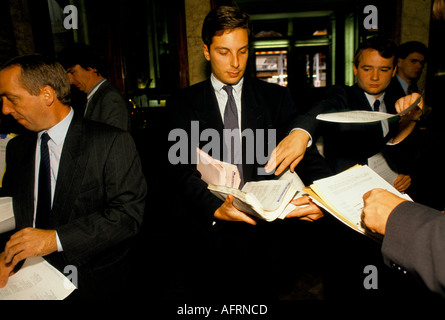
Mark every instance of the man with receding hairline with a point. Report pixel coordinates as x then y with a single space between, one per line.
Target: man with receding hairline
77 185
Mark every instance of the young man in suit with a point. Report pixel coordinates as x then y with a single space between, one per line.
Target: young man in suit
261 108
348 144
104 102
77 185
411 58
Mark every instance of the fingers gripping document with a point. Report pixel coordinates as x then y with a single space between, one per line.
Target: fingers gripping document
342 194
362 116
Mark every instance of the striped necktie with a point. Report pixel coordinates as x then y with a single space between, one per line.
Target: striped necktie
232 135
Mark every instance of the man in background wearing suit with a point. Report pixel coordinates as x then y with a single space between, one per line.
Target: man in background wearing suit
243 247
104 102
77 185
411 57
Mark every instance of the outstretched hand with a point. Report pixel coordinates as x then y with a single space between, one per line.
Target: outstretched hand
289 152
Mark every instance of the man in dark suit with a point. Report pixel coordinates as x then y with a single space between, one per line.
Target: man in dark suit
413 236
411 58
104 102
240 243
348 144
77 185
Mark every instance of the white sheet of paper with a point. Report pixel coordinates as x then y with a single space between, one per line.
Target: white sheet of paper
378 163
355 116
345 190
362 116
37 280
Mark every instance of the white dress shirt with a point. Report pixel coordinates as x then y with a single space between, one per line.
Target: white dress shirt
221 96
382 108
92 92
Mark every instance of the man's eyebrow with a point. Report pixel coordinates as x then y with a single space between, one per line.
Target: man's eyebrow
225 48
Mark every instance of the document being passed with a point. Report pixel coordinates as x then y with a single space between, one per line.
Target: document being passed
362 116
37 280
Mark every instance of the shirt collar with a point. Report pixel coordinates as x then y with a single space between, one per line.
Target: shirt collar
58 132
372 99
218 85
403 83
94 88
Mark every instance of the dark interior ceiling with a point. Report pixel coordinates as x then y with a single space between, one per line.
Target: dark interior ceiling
274 6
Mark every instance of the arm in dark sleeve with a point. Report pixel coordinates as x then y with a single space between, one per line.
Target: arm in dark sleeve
414 241
334 100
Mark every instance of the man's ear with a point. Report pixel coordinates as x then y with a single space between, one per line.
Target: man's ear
48 95
206 52
355 70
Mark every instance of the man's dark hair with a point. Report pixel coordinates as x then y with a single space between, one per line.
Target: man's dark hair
385 47
38 71
225 18
409 47
84 56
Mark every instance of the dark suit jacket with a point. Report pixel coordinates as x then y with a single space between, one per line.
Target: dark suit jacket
395 89
99 200
107 105
348 144
264 106
414 243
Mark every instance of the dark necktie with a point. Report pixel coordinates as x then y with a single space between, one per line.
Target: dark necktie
232 136
44 190
409 90
376 106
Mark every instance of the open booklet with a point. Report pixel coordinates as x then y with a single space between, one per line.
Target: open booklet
266 199
362 116
342 194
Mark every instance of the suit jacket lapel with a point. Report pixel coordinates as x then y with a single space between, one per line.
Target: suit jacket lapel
24 201
207 109
70 175
252 118
360 100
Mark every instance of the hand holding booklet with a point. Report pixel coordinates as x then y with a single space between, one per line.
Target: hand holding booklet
342 194
266 199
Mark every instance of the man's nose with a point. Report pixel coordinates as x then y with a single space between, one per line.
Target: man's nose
235 61
6 108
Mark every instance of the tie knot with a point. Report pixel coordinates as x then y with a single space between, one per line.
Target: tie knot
45 137
228 89
377 105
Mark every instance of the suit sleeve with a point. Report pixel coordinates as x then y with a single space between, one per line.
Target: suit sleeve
124 187
334 100
414 241
193 202
114 111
